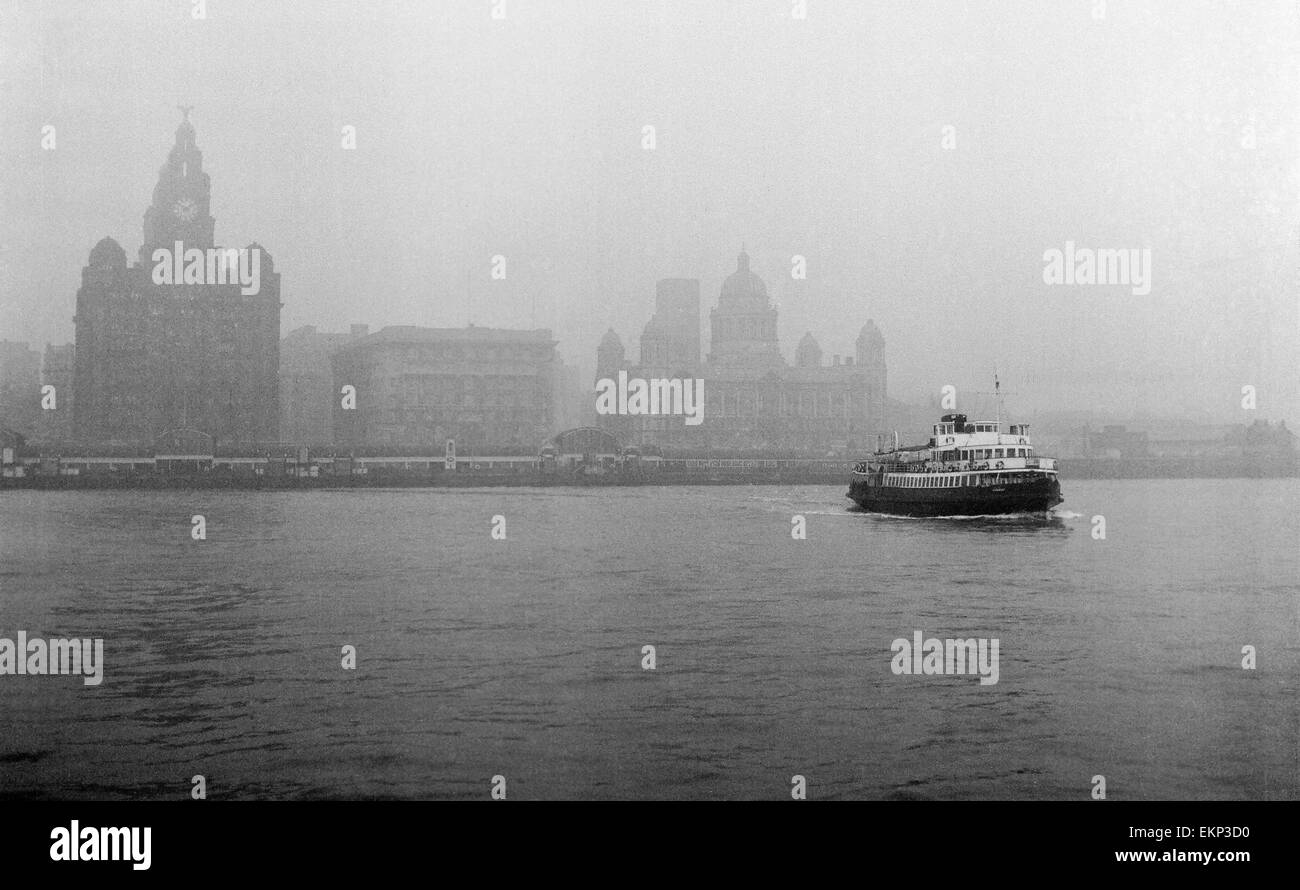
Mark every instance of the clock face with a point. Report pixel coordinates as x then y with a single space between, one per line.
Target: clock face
185 209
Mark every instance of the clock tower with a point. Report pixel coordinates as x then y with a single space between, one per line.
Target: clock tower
181 199
156 356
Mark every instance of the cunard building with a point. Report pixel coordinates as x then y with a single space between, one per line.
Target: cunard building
194 352
490 390
754 399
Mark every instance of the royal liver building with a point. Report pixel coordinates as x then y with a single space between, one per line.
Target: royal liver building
185 338
754 400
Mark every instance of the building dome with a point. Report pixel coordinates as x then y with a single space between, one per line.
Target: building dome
808 354
108 253
609 354
743 286
871 334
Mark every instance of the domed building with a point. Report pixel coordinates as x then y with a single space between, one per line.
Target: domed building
177 340
754 401
744 324
610 355
808 354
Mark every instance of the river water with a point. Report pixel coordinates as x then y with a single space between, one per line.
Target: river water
523 657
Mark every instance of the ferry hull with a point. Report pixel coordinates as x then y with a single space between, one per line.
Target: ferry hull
1038 496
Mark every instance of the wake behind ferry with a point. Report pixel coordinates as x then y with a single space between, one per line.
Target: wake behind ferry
966 469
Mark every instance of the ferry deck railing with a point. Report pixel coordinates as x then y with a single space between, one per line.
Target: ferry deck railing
958 466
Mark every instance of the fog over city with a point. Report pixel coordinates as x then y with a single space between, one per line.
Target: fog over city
922 158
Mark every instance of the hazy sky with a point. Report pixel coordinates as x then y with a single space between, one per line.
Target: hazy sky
1170 126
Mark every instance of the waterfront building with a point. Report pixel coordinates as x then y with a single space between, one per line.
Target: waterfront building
157 351
57 370
307 393
20 387
753 399
489 389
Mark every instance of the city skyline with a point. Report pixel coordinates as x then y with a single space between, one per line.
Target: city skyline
679 400
898 204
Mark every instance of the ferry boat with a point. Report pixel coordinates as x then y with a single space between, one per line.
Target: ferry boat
966 469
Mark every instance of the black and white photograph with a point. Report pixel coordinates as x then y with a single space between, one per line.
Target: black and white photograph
427 402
